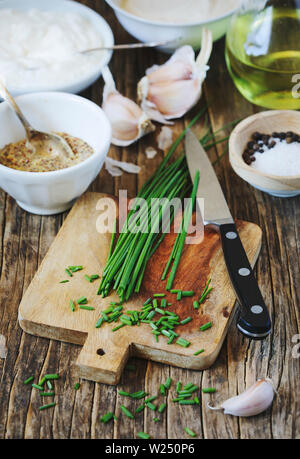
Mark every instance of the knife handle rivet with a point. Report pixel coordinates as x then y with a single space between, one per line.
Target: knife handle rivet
231 235
244 272
256 309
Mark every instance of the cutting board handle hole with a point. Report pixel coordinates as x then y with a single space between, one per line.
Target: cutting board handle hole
100 352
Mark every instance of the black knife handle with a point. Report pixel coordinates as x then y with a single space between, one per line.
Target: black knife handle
254 321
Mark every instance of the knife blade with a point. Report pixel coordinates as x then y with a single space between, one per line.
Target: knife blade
254 320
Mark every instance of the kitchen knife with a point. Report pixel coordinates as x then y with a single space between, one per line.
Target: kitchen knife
254 320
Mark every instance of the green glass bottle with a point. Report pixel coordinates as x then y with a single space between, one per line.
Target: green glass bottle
263 52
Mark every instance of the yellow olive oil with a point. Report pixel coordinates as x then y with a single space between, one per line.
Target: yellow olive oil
263 56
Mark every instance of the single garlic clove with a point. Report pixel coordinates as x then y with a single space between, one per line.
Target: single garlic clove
169 91
255 400
129 122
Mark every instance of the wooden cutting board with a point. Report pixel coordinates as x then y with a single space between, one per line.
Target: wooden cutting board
44 310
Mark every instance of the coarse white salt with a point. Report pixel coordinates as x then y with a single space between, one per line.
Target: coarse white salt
282 160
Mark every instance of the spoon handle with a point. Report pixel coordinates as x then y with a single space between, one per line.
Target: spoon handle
152 44
4 93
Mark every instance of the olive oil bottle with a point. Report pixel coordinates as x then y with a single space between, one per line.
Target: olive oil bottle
263 52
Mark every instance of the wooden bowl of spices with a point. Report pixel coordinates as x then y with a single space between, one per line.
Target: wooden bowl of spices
264 150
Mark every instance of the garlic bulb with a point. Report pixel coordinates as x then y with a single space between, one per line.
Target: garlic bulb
129 123
172 89
251 402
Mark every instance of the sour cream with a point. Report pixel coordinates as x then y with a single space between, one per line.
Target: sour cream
40 48
179 11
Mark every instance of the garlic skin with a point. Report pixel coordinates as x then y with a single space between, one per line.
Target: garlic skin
255 400
172 89
129 122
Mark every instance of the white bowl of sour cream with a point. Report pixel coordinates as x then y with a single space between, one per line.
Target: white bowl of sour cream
46 193
162 20
40 44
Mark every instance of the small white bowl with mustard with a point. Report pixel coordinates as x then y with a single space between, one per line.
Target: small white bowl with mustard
50 191
165 20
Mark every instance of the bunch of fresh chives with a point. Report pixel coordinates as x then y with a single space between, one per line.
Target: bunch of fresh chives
140 235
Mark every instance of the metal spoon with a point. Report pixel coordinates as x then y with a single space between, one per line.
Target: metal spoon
42 140
151 44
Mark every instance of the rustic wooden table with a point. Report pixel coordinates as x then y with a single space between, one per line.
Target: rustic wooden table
25 239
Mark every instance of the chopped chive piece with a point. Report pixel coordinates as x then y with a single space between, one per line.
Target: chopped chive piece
175 291
156 338
159 295
49 385
195 305
64 281
188 386
187 402
109 309
82 300
100 322
42 381
159 311
104 316
206 326
155 303
148 302
27 381
170 341
122 392
143 435
205 292
188 293
138 395
178 387
94 276
74 269
87 308
199 352
155 419
163 303
45 407
186 321
179 296
162 407
168 383
151 406
189 432
209 390
47 394
76 386
140 408
69 273
35 386
183 342
72 305
150 399
127 412
52 376
88 278
107 417
196 399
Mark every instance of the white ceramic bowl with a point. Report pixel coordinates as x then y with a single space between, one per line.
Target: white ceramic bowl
65 6
47 193
146 31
